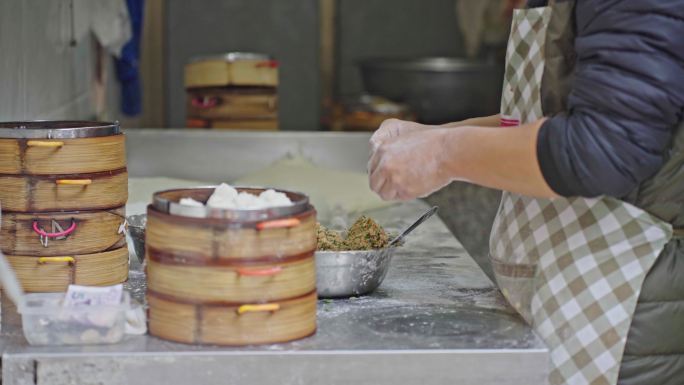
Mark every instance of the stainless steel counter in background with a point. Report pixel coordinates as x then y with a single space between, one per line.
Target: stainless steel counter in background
436 319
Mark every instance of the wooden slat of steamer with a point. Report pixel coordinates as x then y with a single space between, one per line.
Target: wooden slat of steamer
206 241
222 325
31 193
75 156
96 231
100 269
232 283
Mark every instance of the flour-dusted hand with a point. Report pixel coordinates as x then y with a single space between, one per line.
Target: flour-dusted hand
410 165
393 128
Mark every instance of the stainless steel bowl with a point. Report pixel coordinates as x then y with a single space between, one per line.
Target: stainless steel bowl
136 230
351 273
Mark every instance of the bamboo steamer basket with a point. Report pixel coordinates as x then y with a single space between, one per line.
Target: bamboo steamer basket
230 277
44 193
60 147
86 232
56 273
232 324
235 235
232 282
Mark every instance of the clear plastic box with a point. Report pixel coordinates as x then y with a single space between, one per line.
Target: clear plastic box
46 322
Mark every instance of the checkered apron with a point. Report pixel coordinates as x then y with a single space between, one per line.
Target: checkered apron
573 268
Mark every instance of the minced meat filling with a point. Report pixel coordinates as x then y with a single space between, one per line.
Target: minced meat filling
364 234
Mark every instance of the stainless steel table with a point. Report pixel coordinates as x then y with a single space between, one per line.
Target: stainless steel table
436 319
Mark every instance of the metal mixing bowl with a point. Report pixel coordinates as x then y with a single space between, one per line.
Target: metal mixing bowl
351 273
136 230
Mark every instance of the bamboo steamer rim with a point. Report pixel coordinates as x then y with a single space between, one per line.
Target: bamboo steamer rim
223 223
232 57
226 304
167 202
57 129
175 259
82 175
46 214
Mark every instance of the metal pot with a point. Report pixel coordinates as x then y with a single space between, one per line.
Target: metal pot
438 89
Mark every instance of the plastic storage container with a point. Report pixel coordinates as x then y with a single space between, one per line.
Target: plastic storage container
46 322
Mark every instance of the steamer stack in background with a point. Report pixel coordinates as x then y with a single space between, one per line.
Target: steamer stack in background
230 277
232 91
63 191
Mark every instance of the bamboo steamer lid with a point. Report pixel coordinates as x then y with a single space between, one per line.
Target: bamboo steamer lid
232 69
56 273
60 147
78 232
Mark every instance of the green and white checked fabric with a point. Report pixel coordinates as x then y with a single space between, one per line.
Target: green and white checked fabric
589 257
573 268
520 99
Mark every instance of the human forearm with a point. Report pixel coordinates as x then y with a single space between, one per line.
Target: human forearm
484 121
496 157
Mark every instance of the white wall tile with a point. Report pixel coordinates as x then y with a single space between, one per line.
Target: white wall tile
41 75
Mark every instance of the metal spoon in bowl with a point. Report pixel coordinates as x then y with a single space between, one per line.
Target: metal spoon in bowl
413 226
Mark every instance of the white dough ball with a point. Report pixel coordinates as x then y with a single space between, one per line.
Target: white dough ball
191 202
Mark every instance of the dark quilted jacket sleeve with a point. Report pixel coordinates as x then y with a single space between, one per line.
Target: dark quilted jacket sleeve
626 99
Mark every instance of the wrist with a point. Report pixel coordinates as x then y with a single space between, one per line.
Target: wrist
448 153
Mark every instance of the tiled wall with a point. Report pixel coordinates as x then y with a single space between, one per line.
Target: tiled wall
41 75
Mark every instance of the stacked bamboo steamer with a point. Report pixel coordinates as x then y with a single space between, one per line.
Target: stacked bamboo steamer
237 90
230 277
63 190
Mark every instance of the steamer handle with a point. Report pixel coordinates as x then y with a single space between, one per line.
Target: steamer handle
204 101
268 64
267 307
278 224
260 273
64 233
43 143
74 182
69 260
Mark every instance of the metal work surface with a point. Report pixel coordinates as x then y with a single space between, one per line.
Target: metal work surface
435 319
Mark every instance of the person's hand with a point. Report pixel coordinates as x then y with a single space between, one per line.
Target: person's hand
410 165
393 128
